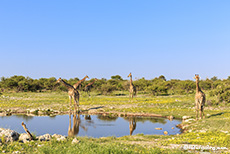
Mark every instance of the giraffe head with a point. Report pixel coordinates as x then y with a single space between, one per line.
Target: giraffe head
130 75
95 79
196 77
59 80
86 76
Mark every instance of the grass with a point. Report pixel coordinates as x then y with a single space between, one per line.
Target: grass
86 146
213 130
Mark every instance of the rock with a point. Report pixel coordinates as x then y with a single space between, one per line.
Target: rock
185 117
33 110
31 115
170 117
92 111
21 111
187 120
24 137
9 135
46 137
75 141
40 112
158 128
2 114
59 137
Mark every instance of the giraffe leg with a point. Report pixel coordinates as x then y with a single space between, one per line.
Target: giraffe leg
75 104
197 113
129 96
203 112
197 110
76 101
70 102
200 111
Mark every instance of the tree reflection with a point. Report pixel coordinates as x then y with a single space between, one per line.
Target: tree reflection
107 118
25 117
151 119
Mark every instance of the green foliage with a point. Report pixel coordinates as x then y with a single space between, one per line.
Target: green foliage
116 77
157 87
222 92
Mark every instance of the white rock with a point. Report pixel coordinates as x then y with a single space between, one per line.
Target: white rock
33 110
75 141
59 137
24 137
92 111
9 135
45 137
2 114
186 117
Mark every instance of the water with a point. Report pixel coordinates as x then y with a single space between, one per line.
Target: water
90 125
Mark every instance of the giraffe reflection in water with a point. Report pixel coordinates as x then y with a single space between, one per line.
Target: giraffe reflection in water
132 125
74 130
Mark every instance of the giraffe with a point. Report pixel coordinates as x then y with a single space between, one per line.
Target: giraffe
132 125
76 124
89 86
199 99
78 84
72 92
132 88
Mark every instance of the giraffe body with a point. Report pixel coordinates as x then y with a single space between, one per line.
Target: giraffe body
89 86
199 99
132 88
72 92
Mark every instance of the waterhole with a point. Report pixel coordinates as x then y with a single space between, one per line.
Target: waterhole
90 125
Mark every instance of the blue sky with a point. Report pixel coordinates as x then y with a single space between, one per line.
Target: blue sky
102 38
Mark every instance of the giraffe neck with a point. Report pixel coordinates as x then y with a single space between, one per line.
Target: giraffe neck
131 81
92 82
83 79
68 86
197 86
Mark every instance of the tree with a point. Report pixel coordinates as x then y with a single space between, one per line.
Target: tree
214 78
116 77
162 77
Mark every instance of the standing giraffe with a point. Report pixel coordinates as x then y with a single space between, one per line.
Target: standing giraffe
78 84
89 86
199 99
132 88
72 92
